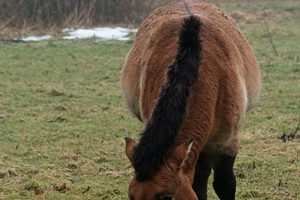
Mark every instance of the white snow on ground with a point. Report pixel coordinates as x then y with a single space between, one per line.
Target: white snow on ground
101 33
36 38
104 33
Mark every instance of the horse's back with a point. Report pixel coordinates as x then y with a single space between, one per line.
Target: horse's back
226 53
192 98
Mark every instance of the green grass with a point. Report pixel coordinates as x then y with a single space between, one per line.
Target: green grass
62 118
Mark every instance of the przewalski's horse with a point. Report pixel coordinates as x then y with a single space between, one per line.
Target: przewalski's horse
190 77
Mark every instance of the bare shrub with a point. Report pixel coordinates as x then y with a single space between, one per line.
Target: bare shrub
37 15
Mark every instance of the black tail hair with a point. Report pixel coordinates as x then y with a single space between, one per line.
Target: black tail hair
168 115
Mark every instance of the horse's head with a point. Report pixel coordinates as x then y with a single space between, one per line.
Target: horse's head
172 181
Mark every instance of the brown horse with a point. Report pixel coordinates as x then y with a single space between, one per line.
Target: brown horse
190 77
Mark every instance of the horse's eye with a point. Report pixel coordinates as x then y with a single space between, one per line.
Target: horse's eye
131 197
169 197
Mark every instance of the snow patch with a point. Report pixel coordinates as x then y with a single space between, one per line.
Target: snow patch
104 33
35 38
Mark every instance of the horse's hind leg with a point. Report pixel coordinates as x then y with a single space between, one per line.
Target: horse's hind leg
202 172
224 178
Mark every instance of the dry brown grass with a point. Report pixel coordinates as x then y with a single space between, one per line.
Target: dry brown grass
253 17
20 16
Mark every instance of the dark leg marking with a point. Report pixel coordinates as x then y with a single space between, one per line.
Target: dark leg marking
202 172
224 178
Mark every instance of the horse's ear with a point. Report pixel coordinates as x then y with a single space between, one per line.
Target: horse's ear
189 158
189 162
130 148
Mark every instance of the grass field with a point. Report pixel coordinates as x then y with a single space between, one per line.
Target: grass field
62 118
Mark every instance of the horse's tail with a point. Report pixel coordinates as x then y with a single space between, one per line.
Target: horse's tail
168 116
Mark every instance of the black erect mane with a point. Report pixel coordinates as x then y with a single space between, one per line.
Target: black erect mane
167 118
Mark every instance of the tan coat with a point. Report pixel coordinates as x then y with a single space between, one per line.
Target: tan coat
228 83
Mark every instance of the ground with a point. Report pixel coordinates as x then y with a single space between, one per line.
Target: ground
63 121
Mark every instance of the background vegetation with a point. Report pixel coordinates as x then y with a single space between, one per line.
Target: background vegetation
62 118
21 16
